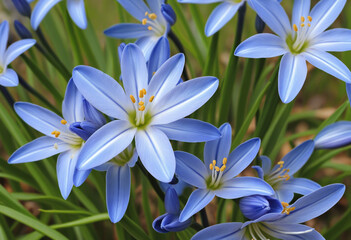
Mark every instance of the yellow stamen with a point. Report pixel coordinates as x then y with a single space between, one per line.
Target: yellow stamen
142 108
287 209
149 28
295 28
225 161
211 166
302 19
284 204
63 121
144 21
57 134
214 162
217 169
153 73
223 168
144 91
151 98
53 132
141 103
152 16
309 18
132 98
141 94
146 13
302 24
309 24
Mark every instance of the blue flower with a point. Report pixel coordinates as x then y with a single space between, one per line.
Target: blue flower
76 10
277 223
153 24
177 184
303 40
151 112
22 7
280 177
64 136
334 136
8 77
169 222
217 177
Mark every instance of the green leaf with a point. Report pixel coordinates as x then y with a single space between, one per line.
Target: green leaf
336 115
340 227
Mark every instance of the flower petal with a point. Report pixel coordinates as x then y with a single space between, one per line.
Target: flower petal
301 9
117 191
288 231
184 100
147 45
190 130
93 115
301 186
266 164
323 14
76 10
136 8
334 40
223 231
17 48
244 186
40 10
80 176
159 55
9 78
191 169
105 143
197 201
4 35
292 76
38 149
199 1
284 195
102 91
156 153
263 45
241 158
334 136
66 164
72 106
156 224
171 201
328 63
128 30
220 16
259 171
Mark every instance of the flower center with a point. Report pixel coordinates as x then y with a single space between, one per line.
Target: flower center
298 41
152 24
217 172
279 175
255 232
68 138
141 117
287 209
1 69
124 157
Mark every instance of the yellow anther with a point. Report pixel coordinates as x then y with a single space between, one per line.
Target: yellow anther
214 162
288 210
284 204
152 16
57 134
53 132
144 91
132 98
286 170
302 19
211 166
146 13
302 24
223 168
295 28
63 121
142 108
225 161
141 103
141 94
280 162
144 21
286 176
309 24
149 28
217 169
151 98
153 73
309 18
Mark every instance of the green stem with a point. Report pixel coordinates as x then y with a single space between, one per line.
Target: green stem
181 49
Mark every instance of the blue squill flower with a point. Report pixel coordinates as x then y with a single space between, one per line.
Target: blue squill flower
335 135
305 39
22 7
280 177
76 10
64 136
152 113
217 177
152 26
169 222
21 30
8 77
280 222
177 184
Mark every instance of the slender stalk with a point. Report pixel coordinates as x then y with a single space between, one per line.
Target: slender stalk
181 49
152 181
7 96
204 218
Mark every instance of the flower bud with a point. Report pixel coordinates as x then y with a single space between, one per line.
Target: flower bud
22 7
256 206
334 136
259 24
168 13
21 30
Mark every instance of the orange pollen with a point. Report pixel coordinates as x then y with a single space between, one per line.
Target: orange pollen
63 121
295 28
309 18
149 28
142 108
152 16
151 98
132 98
141 103
144 21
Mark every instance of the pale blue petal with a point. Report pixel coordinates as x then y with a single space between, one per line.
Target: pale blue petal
159 55
223 231
334 136
4 34
147 44
133 159
301 186
105 143
284 195
288 231
220 16
197 201
190 169
117 191
65 167
241 158
80 176
76 10
185 98
334 40
40 10
128 30
266 164
292 76
244 186
259 171
155 6
301 9
263 45
323 14
38 149
328 63
171 201
218 149
17 48
134 71
273 14
156 153
9 78
200 1
136 8
102 91
104 167
348 92
190 130
166 78
72 105
93 115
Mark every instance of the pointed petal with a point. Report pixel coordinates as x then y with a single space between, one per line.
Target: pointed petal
128 30
171 201
80 176
334 40
323 14
273 14
190 130
244 186
263 45
38 149
76 10
156 153
102 91
185 98
259 171
105 143
40 10
191 169
40 118
9 78
334 136
4 34
156 224
159 55
328 63
218 149
220 16
301 186
199 1
292 76
72 105
147 44
93 115
284 195
288 231
117 191
65 167
155 6
197 201
166 77
223 231
301 9
136 8
241 158
266 164
17 49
